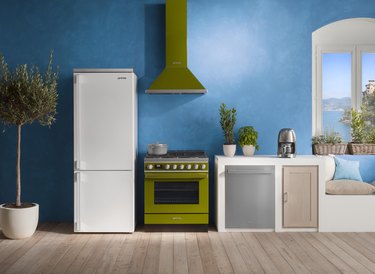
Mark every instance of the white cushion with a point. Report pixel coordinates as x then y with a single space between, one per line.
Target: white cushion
349 187
330 167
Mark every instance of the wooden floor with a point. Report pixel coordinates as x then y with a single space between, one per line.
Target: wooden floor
55 249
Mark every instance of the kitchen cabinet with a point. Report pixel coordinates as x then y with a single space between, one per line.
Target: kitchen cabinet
300 196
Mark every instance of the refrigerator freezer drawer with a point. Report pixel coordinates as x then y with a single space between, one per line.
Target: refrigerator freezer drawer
104 201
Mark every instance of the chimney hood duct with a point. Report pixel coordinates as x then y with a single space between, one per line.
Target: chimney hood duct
176 76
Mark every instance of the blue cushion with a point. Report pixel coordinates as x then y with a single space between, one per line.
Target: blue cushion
366 165
347 170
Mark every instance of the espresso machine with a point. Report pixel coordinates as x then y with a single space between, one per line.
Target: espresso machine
286 143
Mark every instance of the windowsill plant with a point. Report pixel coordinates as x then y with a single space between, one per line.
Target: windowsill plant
328 143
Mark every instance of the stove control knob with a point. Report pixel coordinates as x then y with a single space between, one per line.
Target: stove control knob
167 166
181 166
174 167
149 167
203 166
188 166
196 166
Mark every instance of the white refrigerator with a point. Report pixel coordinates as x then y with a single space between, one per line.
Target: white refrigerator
105 147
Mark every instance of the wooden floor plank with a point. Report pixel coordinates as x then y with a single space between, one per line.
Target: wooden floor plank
259 252
111 253
153 254
205 250
338 262
180 262
349 248
247 254
220 255
280 263
287 253
193 254
308 254
12 257
125 256
70 252
83 256
234 255
166 249
54 248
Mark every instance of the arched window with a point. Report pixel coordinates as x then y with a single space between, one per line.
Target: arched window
343 59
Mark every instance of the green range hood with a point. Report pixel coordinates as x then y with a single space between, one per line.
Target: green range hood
176 77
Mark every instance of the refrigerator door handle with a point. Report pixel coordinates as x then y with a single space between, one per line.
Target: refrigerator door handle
77 122
77 181
79 165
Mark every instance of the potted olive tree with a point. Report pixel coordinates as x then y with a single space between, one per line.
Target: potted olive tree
227 122
247 139
25 96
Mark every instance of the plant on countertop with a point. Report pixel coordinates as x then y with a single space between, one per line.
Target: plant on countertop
26 96
248 136
227 122
328 143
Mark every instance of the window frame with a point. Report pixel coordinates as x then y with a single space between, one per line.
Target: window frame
354 36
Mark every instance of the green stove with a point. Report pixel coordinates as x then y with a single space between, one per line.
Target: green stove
176 188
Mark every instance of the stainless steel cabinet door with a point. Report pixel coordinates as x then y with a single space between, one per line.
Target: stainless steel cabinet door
250 197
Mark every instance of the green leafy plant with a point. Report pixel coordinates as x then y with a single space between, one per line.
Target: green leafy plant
331 137
357 126
26 96
227 122
248 136
370 136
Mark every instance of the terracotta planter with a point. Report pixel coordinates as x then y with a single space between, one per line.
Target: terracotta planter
248 150
229 150
19 223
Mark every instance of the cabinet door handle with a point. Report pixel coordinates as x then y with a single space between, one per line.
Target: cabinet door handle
285 198
176 218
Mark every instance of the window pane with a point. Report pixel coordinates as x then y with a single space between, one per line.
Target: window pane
368 87
336 93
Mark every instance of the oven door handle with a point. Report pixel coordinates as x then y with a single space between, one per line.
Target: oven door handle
174 176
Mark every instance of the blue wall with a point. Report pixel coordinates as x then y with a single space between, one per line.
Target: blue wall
254 55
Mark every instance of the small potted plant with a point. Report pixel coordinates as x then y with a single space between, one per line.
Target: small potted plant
328 143
25 96
227 122
361 137
247 139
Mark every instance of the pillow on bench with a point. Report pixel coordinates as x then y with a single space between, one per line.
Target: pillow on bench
349 187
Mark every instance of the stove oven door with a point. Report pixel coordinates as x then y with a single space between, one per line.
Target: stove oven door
171 193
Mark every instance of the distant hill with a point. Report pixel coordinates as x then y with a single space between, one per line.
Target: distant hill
336 104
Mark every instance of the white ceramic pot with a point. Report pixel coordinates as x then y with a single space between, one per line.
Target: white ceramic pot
248 150
19 223
229 150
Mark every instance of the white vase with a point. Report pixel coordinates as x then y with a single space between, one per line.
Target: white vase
248 150
19 223
229 150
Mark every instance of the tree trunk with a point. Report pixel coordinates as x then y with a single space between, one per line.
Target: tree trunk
18 167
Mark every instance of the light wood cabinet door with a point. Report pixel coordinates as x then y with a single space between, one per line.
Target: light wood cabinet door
300 196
